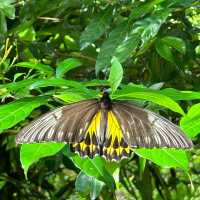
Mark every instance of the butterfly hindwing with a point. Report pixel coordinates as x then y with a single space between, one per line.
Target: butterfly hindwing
115 147
145 129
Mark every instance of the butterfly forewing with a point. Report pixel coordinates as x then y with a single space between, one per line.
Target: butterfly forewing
65 124
143 128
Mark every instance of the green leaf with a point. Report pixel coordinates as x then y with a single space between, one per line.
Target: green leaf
176 43
96 28
88 185
97 167
96 82
131 92
164 51
56 82
8 8
68 84
116 74
149 27
31 153
143 9
71 97
165 157
183 3
142 165
14 112
197 49
19 84
3 24
108 48
45 69
66 65
18 75
128 46
180 95
190 123
122 41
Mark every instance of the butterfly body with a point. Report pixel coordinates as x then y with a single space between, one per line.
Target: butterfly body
104 127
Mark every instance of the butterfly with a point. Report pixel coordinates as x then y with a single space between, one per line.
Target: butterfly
111 129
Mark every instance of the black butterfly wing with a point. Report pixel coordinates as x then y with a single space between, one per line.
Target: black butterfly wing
145 129
66 124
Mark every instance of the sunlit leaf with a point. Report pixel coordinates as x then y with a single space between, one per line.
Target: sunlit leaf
66 65
97 167
56 82
8 8
19 84
71 97
190 123
180 95
116 74
96 82
14 112
46 69
130 92
165 157
31 153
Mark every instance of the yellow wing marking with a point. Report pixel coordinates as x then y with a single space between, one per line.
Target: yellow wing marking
89 145
116 147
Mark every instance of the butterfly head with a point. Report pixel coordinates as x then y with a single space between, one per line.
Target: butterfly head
105 101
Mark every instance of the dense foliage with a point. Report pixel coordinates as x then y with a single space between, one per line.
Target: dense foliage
63 51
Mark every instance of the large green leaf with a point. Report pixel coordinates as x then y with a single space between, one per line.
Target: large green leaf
96 28
42 68
165 157
96 82
109 46
175 42
143 9
97 167
88 185
178 3
149 27
180 95
164 51
31 153
123 41
8 8
128 46
14 86
14 112
164 47
56 82
130 92
66 65
3 24
71 97
190 123
116 74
